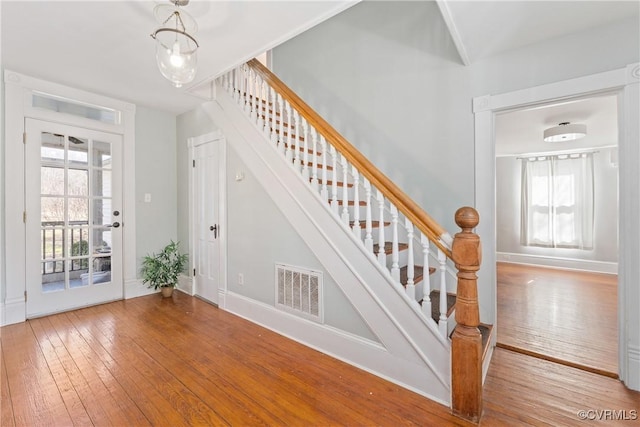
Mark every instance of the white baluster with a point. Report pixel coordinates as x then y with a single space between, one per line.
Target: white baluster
426 277
410 286
305 154
368 233
324 192
255 86
237 84
289 154
382 256
295 144
281 140
247 86
395 253
314 165
357 229
272 123
345 190
442 323
334 183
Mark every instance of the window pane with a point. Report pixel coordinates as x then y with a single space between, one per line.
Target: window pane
52 148
78 210
101 154
51 241
102 183
52 209
78 151
78 182
61 105
101 211
52 181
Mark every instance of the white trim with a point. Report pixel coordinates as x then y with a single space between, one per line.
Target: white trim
135 288
624 82
557 262
17 90
357 351
447 17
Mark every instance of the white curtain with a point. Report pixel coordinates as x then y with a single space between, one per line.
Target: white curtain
557 201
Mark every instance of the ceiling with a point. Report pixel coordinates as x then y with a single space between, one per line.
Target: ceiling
481 29
105 47
520 132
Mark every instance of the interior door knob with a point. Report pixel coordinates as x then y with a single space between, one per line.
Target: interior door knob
214 228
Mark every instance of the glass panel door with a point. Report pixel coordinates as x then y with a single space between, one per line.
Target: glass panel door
77 225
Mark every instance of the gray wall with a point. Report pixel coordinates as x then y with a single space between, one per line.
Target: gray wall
388 77
508 194
258 235
156 174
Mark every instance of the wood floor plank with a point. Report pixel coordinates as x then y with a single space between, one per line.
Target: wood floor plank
181 361
105 395
36 400
6 414
566 315
57 357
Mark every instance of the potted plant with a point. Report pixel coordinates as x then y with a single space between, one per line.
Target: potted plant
161 270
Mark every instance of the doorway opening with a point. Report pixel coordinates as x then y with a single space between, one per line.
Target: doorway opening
557 233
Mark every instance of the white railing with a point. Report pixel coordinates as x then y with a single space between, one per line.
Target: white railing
360 205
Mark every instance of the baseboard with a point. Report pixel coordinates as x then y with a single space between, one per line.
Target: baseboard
135 288
185 284
364 354
13 311
633 372
554 262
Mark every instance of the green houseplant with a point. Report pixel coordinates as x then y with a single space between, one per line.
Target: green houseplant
161 270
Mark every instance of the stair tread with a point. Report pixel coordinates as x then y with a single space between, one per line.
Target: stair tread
352 203
388 247
338 183
363 224
435 304
418 274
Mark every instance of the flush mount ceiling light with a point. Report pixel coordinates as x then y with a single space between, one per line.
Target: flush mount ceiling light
565 131
175 47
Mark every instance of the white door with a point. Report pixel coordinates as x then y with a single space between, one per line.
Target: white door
207 228
73 217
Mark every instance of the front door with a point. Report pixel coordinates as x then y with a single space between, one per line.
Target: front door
73 217
206 221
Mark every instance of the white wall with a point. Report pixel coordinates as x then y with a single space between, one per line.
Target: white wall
387 76
258 235
156 174
508 198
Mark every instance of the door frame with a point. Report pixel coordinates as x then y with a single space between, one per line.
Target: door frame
625 82
18 93
192 143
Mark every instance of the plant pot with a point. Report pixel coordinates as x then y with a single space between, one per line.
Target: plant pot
167 291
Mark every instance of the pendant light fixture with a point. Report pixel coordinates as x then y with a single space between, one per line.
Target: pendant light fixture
565 131
175 48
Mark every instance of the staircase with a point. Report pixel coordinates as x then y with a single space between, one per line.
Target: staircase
397 240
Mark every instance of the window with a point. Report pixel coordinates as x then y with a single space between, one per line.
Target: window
557 201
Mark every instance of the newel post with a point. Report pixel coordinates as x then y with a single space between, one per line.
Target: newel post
466 341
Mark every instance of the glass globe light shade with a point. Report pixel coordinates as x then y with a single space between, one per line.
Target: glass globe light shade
176 55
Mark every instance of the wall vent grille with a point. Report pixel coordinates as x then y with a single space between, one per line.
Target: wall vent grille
299 291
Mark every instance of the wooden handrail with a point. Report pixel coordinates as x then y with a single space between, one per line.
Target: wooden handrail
391 191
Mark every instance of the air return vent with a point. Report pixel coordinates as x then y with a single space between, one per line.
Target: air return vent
299 291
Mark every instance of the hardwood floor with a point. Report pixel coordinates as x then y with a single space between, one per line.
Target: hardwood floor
562 315
180 361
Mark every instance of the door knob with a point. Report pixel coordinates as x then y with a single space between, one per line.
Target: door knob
214 228
114 225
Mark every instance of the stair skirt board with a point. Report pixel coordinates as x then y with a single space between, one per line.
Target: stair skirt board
407 336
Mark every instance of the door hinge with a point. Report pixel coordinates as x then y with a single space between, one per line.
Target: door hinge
194 272
24 216
194 163
25 296
24 137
